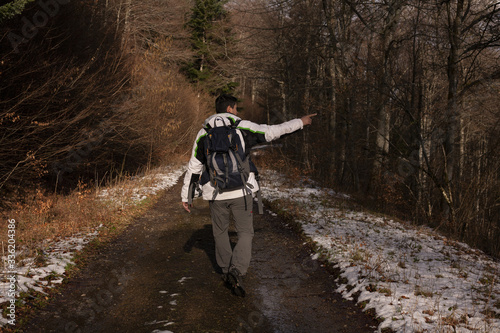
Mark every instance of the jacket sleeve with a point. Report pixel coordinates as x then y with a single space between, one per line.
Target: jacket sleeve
195 166
260 133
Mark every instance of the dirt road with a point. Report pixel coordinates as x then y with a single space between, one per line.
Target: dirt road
160 276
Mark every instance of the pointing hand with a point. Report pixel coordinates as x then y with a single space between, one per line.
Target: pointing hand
307 120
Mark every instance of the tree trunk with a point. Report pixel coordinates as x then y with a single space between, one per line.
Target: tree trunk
338 73
254 91
451 139
126 22
384 111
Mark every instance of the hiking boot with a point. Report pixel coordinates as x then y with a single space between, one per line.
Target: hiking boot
225 278
235 280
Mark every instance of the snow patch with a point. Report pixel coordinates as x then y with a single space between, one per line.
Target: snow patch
415 279
48 268
184 279
140 188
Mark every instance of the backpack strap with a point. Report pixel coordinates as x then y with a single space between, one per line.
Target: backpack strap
248 168
194 186
259 202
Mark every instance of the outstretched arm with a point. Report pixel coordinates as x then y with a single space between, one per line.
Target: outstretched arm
260 133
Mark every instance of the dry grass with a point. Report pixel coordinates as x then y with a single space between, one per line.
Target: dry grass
44 217
161 116
168 112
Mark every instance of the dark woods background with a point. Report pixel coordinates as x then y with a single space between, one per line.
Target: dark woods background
407 94
90 93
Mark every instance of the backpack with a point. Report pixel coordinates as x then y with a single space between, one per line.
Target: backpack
227 165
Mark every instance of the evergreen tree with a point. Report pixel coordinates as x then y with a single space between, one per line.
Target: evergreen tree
210 37
12 8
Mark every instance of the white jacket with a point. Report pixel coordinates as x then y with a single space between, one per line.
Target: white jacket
250 134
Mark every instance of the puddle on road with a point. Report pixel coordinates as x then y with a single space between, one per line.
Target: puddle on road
271 307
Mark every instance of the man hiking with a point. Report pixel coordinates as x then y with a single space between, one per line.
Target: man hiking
220 164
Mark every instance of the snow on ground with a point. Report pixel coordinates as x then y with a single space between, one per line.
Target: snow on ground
415 280
141 187
46 270
36 274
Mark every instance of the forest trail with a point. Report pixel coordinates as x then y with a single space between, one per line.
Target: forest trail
160 276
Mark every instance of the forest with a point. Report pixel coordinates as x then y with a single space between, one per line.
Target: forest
406 92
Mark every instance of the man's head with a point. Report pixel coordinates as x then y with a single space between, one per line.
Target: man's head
223 102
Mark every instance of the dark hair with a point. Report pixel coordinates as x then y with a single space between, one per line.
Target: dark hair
223 101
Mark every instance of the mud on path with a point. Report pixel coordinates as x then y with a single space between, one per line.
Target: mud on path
160 275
